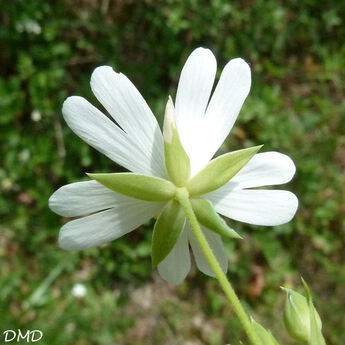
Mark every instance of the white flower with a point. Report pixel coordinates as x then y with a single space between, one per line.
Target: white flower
36 116
79 290
136 143
24 155
30 26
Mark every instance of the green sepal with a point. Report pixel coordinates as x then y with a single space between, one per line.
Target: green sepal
265 336
140 187
315 336
220 170
208 217
297 315
177 161
166 231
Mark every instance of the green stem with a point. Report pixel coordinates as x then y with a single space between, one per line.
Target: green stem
183 198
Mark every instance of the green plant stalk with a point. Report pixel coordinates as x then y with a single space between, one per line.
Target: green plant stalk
183 198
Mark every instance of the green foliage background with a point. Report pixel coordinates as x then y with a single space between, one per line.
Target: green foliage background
48 50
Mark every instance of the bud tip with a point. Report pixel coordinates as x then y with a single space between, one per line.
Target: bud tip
169 121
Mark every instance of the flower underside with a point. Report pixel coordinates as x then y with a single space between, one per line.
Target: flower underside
160 165
171 221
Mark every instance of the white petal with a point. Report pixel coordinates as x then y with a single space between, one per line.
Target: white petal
82 198
193 93
195 85
264 169
128 108
225 104
216 244
100 132
175 267
107 225
259 207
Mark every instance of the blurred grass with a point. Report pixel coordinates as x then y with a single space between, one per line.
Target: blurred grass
296 106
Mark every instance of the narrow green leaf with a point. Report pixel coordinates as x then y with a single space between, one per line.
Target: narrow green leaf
38 297
166 231
207 216
176 159
315 337
137 186
220 170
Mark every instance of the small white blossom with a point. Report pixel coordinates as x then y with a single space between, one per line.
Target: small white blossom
6 184
79 290
30 26
36 116
24 155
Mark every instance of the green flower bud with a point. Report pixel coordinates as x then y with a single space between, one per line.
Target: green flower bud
266 337
315 336
297 315
177 161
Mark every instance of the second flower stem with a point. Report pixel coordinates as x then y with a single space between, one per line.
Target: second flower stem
183 198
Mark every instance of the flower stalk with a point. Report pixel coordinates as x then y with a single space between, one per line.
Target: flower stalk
182 196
